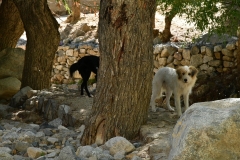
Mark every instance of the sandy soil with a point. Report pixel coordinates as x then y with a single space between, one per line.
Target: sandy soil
182 30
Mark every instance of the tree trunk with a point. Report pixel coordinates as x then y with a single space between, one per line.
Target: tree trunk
166 33
11 26
75 15
42 42
238 60
126 70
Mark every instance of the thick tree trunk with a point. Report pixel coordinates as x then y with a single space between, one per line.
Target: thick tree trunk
11 26
42 42
126 70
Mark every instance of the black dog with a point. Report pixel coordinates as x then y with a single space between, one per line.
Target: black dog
85 66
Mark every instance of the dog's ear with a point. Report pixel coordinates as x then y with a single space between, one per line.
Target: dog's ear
179 72
193 70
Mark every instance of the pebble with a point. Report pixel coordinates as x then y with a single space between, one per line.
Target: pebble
20 141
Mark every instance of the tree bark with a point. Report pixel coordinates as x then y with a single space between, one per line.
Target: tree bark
166 33
126 70
11 26
75 15
42 42
238 60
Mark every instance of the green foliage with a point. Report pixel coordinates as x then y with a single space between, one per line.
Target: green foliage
42 154
218 16
65 4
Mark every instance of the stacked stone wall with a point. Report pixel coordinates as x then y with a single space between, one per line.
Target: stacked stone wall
207 58
65 57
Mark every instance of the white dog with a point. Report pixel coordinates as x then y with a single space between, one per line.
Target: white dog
177 81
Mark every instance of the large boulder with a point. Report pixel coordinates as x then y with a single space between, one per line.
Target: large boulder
8 87
12 62
208 130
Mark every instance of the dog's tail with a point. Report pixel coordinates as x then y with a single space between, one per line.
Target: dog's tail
73 68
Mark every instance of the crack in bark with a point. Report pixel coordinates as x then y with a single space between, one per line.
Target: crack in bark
121 52
100 131
122 18
108 12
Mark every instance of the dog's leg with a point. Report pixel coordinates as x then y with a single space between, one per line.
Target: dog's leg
153 103
168 96
178 104
159 94
85 76
186 100
82 86
156 90
86 88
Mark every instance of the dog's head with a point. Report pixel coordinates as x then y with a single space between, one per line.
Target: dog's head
187 73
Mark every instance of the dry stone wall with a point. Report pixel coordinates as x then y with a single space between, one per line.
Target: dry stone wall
65 57
207 58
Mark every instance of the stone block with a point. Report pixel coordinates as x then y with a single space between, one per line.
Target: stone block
218 55
209 51
186 53
230 46
196 60
228 64
217 48
215 63
207 59
227 52
195 50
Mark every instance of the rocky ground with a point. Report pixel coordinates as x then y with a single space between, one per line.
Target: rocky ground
25 135
28 136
